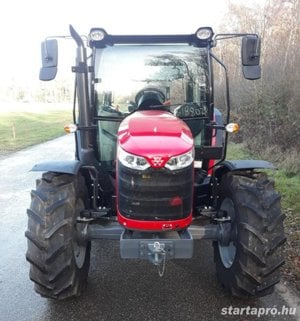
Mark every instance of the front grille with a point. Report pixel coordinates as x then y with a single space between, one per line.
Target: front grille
155 194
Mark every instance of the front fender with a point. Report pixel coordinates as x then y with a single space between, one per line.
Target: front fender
66 167
242 165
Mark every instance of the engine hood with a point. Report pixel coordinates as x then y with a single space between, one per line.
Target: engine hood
153 134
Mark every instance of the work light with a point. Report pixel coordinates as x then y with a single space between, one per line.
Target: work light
97 34
205 33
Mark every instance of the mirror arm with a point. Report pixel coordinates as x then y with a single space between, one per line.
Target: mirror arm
225 36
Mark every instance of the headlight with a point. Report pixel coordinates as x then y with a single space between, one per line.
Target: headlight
132 161
180 161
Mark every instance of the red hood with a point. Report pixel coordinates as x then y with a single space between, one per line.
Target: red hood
154 133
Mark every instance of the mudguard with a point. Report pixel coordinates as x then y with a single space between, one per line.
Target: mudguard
66 167
240 165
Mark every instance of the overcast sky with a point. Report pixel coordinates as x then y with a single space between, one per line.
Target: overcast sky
25 23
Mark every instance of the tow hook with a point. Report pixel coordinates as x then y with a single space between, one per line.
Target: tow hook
157 256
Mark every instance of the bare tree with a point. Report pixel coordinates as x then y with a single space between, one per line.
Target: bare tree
270 106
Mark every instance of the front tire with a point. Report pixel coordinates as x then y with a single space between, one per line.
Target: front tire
59 263
248 266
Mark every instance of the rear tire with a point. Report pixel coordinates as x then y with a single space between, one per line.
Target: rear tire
59 264
249 266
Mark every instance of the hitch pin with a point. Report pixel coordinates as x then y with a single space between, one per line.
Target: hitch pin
161 266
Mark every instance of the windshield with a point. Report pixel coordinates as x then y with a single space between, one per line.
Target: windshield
175 77
123 71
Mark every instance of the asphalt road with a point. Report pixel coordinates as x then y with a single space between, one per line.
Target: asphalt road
118 289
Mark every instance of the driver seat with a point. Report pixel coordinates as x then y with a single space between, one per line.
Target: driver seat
148 99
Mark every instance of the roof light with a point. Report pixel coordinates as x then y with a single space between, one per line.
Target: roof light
204 33
97 34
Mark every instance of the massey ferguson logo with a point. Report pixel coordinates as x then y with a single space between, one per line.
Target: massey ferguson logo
158 161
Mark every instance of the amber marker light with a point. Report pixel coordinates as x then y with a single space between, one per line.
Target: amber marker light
232 127
70 128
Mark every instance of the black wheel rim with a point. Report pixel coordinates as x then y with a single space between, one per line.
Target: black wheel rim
228 252
79 247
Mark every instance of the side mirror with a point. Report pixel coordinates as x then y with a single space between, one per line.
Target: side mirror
251 57
49 51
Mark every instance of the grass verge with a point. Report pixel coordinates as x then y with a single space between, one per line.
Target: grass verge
22 129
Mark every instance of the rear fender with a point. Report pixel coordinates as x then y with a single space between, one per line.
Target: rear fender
65 167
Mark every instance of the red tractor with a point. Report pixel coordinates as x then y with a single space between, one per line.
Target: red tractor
150 168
